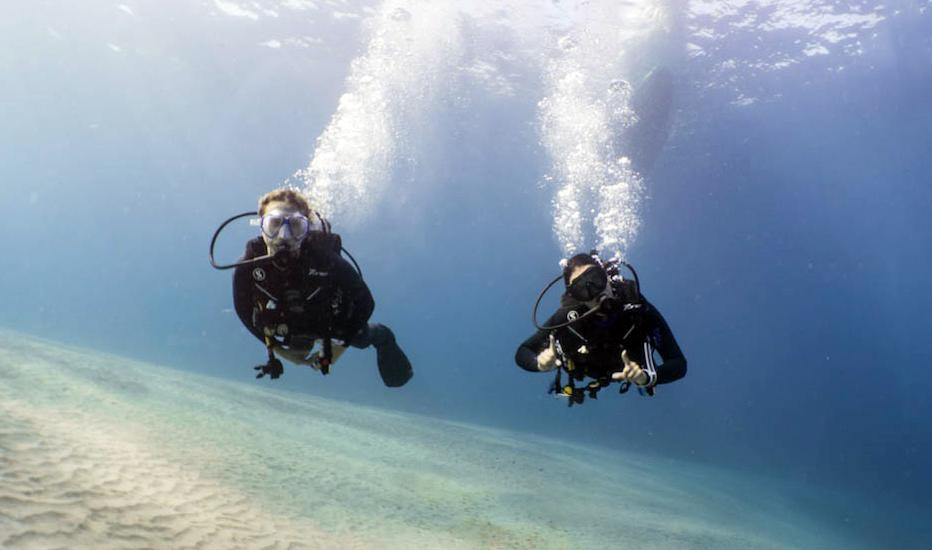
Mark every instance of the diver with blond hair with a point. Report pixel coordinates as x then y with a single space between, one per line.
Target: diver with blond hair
294 291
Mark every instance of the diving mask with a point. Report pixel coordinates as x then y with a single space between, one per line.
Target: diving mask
589 285
278 225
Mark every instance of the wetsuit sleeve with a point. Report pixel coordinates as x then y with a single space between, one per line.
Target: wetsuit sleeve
243 300
526 356
358 301
674 362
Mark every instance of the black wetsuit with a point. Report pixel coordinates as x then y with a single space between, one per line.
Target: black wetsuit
316 295
603 336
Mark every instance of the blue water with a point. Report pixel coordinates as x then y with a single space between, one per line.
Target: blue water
785 232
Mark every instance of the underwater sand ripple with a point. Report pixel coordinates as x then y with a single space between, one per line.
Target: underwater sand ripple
69 482
98 451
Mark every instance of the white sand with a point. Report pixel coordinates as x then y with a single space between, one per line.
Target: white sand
98 451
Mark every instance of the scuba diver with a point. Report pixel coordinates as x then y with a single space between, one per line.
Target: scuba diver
292 289
604 330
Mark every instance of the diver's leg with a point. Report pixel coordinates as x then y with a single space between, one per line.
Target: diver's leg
394 366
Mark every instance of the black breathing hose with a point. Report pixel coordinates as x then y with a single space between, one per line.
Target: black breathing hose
540 297
213 242
325 225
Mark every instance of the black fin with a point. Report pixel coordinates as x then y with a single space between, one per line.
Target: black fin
394 366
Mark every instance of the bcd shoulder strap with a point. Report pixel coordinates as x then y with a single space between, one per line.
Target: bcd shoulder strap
323 241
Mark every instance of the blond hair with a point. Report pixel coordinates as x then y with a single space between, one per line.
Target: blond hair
288 195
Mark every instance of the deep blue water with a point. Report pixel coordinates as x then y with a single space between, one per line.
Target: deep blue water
786 241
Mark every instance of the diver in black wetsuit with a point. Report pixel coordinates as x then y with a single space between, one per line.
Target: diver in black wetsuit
306 292
604 330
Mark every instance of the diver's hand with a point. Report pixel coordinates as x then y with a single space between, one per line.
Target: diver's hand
632 372
547 359
335 353
273 369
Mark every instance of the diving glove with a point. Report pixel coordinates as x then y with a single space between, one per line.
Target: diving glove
273 368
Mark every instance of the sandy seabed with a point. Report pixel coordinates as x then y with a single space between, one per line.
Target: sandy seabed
98 451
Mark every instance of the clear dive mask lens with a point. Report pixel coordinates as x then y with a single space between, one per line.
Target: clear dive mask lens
274 223
589 285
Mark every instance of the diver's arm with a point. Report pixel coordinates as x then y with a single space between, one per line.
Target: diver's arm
359 300
526 356
674 362
243 299
528 352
